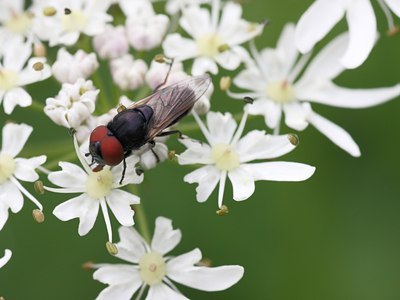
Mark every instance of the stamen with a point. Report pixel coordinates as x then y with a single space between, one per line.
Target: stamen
223 210
38 186
221 188
388 15
38 215
225 83
240 129
106 219
26 193
111 248
203 128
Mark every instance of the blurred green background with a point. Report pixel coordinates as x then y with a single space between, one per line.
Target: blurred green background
335 236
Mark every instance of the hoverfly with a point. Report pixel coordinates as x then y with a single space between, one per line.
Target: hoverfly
144 120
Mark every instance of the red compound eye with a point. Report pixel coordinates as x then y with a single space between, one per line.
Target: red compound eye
111 150
98 134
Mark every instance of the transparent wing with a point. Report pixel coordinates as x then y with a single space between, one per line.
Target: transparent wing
173 102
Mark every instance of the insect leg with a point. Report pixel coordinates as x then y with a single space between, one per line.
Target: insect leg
124 164
166 77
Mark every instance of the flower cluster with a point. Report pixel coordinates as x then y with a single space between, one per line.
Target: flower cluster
100 55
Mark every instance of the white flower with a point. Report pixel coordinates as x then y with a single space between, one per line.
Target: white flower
215 39
97 189
148 266
226 154
174 6
69 68
323 15
12 169
5 258
73 104
112 43
14 74
70 19
274 81
15 22
145 29
128 73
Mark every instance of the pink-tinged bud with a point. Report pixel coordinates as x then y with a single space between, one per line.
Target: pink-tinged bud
112 43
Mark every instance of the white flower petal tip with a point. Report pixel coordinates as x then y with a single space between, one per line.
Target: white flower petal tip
5 258
335 133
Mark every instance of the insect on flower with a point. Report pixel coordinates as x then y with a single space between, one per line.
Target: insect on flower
144 120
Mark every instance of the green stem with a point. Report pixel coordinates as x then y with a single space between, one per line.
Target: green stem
66 157
36 106
140 217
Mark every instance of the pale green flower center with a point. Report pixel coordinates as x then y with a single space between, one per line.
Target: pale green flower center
280 91
19 23
208 45
99 184
8 79
152 268
225 158
75 21
7 167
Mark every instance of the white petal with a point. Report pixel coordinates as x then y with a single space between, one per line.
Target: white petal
242 183
181 270
5 258
16 54
165 238
221 127
317 21
286 47
25 168
119 291
196 153
30 75
163 292
271 110
120 203
203 65
14 97
334 95
229 60
362 29
176 46
14 138
324 66
130 175
394 5
196 21
207 177
131 246
280 171
71 176
336 134
295 116
231 15
250 79
82 207
10 198
117 274
257 145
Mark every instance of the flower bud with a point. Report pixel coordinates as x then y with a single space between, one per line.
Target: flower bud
112 43
127 72
39 50
69 68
